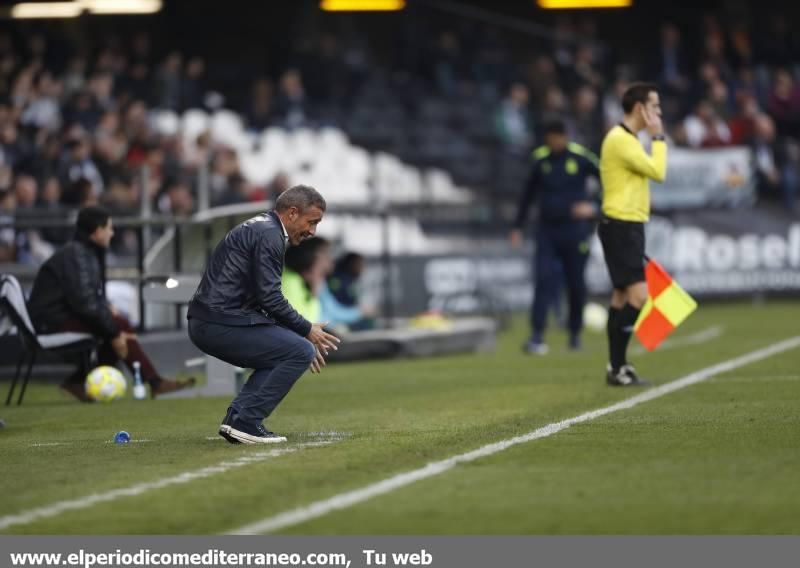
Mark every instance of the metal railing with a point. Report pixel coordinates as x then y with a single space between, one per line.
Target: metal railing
173 234
136 268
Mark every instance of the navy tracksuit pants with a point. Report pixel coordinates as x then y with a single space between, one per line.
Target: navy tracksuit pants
561 255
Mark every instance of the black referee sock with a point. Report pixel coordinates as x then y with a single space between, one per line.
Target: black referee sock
625 322
613 332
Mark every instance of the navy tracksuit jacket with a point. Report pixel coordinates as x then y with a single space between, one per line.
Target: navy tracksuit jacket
558 181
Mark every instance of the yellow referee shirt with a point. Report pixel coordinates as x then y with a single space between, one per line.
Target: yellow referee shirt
624 172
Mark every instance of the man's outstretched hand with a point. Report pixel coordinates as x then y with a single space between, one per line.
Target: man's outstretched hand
324 342
318 362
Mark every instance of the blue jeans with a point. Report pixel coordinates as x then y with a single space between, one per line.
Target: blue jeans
278 355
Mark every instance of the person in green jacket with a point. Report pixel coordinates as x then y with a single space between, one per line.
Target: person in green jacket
307 266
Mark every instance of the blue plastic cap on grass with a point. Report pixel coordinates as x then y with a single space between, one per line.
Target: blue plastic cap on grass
122 437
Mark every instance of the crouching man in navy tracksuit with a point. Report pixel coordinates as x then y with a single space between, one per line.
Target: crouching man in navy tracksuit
558 180
240 315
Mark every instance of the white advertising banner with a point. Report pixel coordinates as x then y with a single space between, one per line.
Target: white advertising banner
719 253
720 177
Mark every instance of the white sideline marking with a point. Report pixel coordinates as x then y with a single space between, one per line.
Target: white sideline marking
49 444
693 339
333 434
85 502
759 379
344 500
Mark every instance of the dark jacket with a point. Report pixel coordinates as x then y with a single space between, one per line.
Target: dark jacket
558 181
242 282
71 286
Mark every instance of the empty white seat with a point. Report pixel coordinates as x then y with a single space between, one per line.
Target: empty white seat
165 122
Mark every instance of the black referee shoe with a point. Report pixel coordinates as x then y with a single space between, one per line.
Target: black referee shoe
625 376
631 372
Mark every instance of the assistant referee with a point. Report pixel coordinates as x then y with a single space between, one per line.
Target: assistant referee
625 171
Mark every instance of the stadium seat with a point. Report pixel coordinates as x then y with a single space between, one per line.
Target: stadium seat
351 174
273 142
14 314
260 167
227 129
441 189
166 122
302 146
193 123
358 164
332 140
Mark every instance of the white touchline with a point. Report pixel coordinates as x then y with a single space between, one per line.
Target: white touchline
758 379
56 509
49 444
701 336
345 500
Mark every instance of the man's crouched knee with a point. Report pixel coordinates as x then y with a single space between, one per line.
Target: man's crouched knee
307 351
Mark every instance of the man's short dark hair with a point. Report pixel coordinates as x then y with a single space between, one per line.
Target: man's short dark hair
556 126
91 218
349 263
637 93
300 196
78 192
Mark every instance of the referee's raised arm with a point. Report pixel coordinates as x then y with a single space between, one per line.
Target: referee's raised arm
625 166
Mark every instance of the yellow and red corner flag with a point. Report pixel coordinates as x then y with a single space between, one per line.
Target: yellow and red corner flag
667 306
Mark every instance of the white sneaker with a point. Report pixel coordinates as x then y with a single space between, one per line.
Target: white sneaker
247 434
536 348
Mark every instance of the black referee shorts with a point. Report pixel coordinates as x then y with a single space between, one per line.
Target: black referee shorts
623 248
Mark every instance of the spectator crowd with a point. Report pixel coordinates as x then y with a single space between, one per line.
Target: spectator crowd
77 126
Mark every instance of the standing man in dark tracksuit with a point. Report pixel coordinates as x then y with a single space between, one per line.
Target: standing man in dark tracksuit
558 179
240 315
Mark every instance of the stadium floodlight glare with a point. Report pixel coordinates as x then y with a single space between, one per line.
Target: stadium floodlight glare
362 5
578 4
122 6
27 10
46 10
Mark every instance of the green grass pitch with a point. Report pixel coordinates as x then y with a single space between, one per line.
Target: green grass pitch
719 457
